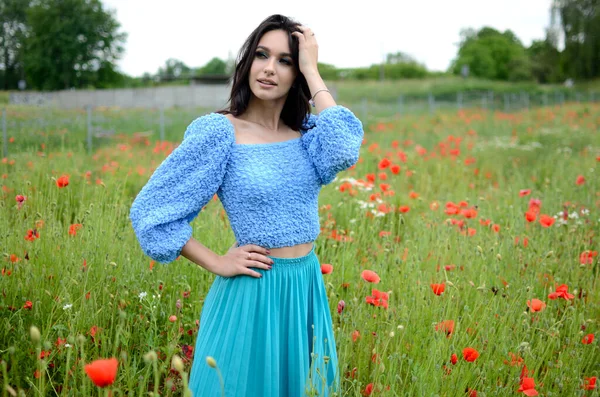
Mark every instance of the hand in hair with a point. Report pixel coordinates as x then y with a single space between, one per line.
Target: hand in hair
307 51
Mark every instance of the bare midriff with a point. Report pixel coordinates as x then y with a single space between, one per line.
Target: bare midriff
292 252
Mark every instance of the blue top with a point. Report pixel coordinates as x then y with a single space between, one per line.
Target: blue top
269 190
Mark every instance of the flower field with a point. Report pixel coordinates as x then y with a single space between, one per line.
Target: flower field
460 256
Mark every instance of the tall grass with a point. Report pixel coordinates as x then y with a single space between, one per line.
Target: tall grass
91 292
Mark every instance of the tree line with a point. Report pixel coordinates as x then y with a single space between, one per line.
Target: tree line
64 44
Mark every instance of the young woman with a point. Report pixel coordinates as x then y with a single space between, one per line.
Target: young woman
266 319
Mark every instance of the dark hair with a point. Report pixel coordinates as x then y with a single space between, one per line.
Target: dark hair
296 106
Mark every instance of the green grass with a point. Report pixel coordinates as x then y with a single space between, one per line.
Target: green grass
95 295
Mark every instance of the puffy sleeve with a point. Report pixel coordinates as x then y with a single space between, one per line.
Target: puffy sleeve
180 187
332 140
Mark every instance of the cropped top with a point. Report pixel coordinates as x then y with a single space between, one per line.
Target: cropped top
268 190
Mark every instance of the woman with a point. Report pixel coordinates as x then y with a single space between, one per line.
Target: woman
266 319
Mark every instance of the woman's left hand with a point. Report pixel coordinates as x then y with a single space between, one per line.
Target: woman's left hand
308 51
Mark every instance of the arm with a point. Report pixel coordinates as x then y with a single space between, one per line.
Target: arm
333 141
179 188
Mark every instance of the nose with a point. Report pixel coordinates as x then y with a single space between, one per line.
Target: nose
269 68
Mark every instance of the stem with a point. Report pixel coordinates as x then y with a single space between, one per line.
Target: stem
66 381
221 381
155 377
5 376
84 383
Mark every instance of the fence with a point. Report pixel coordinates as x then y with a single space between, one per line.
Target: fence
26 128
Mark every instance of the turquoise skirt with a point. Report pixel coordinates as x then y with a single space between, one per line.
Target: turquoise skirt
270 336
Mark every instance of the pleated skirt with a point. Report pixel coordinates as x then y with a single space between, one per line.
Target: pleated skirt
270 336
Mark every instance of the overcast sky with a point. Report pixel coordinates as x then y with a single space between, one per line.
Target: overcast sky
350 33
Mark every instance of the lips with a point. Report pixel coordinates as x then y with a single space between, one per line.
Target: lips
266 81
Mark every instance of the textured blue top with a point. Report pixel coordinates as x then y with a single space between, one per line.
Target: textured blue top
269 190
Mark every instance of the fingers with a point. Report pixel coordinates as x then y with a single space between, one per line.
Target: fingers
252 273
300 37
260 265
306 34
258 248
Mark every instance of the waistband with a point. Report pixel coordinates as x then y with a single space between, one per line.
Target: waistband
299 260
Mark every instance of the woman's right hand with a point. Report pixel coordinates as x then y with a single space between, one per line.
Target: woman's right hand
239 260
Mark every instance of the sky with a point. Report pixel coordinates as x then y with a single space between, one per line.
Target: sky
351 33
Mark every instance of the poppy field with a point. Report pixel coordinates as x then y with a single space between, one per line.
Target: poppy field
460 258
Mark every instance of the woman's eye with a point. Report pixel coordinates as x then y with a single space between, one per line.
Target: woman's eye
261 54
286 61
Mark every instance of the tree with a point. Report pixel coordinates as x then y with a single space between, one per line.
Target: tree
493 55
13 28
580 21
69 41
173 69
213 67
545 61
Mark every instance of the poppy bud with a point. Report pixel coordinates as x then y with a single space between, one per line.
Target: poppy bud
211 361
177 363
35 334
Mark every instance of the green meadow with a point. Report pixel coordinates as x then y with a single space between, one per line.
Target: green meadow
481 227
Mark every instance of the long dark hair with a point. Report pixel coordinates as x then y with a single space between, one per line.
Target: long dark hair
296 106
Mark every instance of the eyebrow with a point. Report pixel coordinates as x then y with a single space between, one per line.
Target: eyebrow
283 54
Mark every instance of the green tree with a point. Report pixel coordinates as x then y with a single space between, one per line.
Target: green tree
173 69
580 21
493 55
69 41
545 62
328 71
13 28
213 67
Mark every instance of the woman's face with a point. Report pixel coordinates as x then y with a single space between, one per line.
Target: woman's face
272 72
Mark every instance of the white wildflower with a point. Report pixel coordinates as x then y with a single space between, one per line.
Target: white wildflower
142 295
67 306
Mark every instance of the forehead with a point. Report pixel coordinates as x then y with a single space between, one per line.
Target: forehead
276 41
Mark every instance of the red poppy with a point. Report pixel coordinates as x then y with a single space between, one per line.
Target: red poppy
340 307
404 209
28 305
62 181
103 371
438 289
355 335
20 199
470 354
368 390
580 180
524 192
32 234
378 298
530 216
454 359
74 227
535 205
326 268
587 257
446 326
588 339
561 292
546 220
536 305
527 386
590 383
515 359
370 276
384 163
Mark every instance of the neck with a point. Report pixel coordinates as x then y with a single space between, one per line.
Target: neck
265 113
